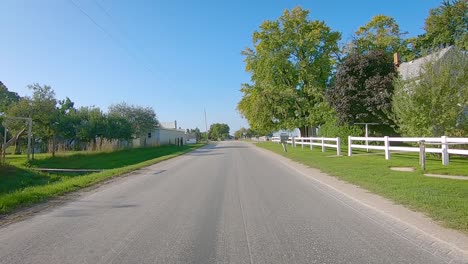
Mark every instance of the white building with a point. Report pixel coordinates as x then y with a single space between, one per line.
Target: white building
165 134
412 70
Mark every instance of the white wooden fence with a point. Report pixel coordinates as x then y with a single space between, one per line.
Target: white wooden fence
437 145
440 145
314 141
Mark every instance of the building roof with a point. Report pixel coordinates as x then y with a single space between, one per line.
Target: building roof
170 125
412 69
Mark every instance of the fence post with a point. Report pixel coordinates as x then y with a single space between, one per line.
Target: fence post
293 142
387 148
338 146
422 154
445 154
350 150
310 143
323 145
302 141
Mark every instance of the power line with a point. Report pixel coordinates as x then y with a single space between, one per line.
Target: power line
109 35
121 31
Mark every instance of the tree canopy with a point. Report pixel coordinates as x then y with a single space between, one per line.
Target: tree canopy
141 119
290 65
381 33
445 25
363 89
59 121
436 103
218 131
245 132
7 98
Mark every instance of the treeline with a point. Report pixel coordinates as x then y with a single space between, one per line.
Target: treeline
218 131
59 124
246 133
302 78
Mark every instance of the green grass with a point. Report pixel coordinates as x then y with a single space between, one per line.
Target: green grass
20 185
444 200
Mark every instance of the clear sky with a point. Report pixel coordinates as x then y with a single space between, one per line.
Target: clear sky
178 57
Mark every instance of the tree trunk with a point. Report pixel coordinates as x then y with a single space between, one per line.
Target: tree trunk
53 146
308 131
17 148
32 147
304 131
94 144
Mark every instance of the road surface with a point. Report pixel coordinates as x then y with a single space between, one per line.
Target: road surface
225 203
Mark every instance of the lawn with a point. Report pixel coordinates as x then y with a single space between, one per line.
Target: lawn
444 200
21 185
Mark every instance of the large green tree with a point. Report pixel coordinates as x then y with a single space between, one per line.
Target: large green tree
7 99
242 132
117 128
246 132
436 103
445 25
218 131
42 108
380 33
92 125
290 65
141 119
363 89
67 120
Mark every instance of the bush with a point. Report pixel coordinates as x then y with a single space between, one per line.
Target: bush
331 128
434 104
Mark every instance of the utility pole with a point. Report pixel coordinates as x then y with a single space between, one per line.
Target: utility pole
206 127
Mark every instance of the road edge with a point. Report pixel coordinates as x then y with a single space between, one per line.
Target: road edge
449 244
30 210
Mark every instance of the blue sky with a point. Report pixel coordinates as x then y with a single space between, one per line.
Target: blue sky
178 57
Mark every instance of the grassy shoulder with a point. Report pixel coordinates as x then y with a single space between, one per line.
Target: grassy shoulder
444 200
21 185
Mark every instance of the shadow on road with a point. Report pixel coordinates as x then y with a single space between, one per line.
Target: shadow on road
205 154
230 147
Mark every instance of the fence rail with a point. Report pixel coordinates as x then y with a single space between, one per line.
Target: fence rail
443 144
314 141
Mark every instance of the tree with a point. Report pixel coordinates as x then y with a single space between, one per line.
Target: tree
141 119
67 120
381 33
240 133
332 128
445 25
42 108
218 131
92 125
290 66
198 135
117 128
363 89
7 99
246 132
436 103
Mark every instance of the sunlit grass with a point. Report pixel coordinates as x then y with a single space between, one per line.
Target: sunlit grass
21 185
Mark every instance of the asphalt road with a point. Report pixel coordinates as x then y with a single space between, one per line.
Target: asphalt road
228 203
